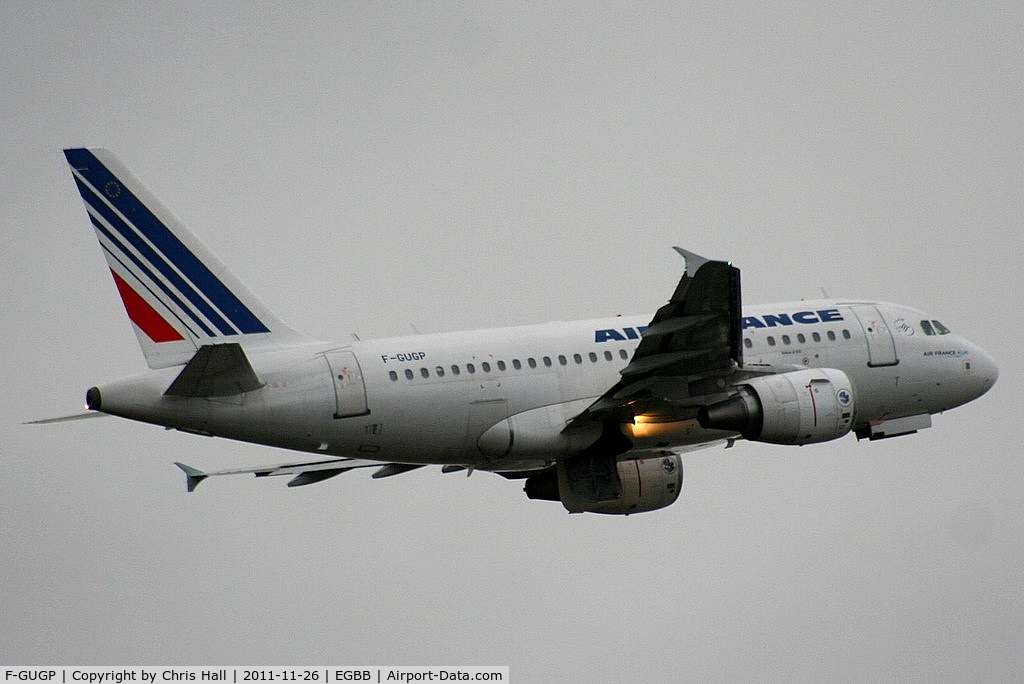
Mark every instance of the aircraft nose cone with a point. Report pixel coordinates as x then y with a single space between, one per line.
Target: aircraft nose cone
973 375
986 368
981 374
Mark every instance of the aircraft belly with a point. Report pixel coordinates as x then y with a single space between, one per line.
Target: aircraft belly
477 423
407 427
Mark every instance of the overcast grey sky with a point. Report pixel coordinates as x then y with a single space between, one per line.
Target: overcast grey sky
368 167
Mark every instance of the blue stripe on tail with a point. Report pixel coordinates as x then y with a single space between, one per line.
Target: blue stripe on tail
176 282
141 219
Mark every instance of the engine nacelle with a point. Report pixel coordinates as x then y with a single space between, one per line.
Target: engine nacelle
603 484
800 407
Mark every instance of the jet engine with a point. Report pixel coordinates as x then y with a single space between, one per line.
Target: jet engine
800 407
603 484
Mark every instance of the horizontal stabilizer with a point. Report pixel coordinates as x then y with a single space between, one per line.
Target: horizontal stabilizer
63 419
216 370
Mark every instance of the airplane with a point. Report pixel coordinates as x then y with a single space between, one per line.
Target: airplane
595 414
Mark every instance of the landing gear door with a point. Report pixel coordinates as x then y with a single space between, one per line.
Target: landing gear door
349 390
881 347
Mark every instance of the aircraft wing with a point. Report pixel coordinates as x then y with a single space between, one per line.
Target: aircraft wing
693 342
304 473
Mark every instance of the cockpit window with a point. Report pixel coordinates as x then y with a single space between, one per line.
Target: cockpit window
933 327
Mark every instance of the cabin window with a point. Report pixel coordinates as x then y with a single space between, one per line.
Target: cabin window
624 354
470 368
846 334
424 373
485 367
816 337
771 341
547 361
831 335
747 343
801 338
785 339
577 358
393 375
593 357
409 374
501 365
455 370
440 371
532 362
516 364
607 355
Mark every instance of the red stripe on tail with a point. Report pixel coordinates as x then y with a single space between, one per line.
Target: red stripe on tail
143 315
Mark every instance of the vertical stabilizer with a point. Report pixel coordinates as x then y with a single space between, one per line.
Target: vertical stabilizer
178 295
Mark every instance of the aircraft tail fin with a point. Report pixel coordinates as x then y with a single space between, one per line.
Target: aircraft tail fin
178 295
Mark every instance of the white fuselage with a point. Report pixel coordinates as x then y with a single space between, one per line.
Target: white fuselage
591 413
500 399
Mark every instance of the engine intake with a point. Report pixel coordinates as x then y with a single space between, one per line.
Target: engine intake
800 407
603 484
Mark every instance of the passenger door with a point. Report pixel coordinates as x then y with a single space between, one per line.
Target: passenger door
881 346
349 390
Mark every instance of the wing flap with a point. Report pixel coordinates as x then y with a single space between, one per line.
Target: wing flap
313 476
392 469
305 473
